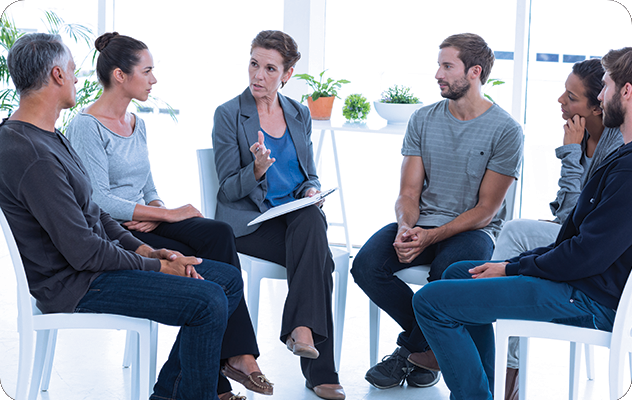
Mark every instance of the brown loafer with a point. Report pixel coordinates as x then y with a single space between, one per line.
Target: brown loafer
231 396
329 393
257 382
425 360
301 349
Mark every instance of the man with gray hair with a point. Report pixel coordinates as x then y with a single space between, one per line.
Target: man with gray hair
76 257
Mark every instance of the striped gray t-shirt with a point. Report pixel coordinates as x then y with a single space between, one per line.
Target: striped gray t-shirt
456 154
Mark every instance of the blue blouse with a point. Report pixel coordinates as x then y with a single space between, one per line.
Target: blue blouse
284 176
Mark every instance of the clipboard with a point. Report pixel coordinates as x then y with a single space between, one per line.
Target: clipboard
291 206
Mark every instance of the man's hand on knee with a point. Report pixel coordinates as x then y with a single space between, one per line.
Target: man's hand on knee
489 270
181 266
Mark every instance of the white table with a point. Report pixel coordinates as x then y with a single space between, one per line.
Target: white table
376 125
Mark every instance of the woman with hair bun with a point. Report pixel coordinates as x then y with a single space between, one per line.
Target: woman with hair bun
264 158
112 144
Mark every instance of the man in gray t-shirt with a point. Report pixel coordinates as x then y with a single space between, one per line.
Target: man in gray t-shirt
460 157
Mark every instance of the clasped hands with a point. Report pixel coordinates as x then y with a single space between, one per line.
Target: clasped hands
172 262
410 242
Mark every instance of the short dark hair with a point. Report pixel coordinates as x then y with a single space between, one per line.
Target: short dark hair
591 74
618 63
473 50
281 42
116 51
31 59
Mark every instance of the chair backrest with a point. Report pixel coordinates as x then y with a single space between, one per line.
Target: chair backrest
209 182
25 305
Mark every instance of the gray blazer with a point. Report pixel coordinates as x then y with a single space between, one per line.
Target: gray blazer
241 197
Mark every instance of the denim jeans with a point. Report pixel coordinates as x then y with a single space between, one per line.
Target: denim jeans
200 307
457 312
376 262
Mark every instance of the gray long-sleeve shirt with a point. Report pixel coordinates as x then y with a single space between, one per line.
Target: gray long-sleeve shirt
577 168
118 166
64 238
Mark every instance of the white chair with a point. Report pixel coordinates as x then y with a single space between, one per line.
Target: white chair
257 269
619 342
32 324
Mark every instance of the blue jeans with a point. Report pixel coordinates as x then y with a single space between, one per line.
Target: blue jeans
456 315
376 262
200 307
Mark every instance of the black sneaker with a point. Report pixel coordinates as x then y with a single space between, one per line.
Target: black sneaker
421 377
391 371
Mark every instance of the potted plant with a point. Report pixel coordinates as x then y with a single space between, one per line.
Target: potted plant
397 104
356 108
321 100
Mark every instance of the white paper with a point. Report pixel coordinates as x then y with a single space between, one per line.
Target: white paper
291 206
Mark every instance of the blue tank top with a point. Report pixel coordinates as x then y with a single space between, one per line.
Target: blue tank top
284 176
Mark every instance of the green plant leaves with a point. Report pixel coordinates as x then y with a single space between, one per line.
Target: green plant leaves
398 95
320 89
356 107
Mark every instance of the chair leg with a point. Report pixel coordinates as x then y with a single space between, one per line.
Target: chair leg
129 351
42 342
340 300
523 368
500 364
575 362
153 355
374 332
25 363
254 281
48 361
135 365
590 363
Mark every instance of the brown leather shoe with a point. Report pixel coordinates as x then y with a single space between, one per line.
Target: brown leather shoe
326 392
301 349
511 384
231 396
257 382
425 360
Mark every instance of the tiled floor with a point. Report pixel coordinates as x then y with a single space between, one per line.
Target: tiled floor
88 363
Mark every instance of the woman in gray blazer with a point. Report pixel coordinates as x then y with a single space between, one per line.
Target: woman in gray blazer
264 158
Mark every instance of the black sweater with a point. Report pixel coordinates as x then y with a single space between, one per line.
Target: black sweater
593 251
64 238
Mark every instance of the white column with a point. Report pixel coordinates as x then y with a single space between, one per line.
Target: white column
105 16
304 20
521 50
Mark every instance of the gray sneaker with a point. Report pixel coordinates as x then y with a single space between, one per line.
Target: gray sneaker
391 371
421 377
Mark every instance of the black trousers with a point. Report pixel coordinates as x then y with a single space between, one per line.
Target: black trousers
212 240
298 241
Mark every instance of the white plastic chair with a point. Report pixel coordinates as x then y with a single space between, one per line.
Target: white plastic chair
619 342
32 324
257 269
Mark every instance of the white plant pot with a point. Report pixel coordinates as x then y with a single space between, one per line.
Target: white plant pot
396 113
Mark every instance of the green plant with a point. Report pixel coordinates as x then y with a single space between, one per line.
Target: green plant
398 95
493 82
328 88
356 107
88 88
